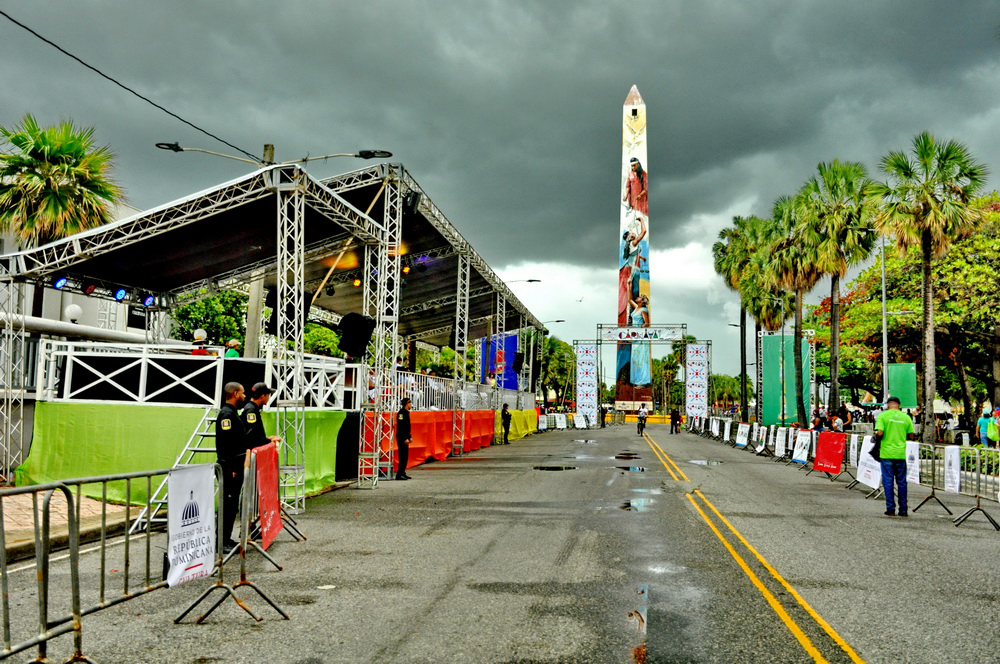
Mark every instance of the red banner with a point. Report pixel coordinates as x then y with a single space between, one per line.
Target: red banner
267 493
830 451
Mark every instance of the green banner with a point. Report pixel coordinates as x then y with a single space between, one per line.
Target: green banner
779 370
88 439
903 384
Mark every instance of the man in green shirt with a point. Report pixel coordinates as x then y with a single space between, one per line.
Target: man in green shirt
894 427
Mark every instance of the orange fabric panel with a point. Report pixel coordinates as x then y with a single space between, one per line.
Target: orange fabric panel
432 433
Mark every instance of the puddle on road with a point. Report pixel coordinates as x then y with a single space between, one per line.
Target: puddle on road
637 505
627 456
555 467
580 457
652 492
704 462
632 469
587 441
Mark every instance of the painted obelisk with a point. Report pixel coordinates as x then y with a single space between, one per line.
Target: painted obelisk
633 379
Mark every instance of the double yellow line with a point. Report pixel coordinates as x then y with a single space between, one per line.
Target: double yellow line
675 472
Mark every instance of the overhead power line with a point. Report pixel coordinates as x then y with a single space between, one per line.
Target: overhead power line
125 87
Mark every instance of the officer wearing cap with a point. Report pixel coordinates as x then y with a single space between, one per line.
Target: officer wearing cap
260 394
230 448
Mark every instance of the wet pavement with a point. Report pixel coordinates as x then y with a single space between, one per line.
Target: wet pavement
494 561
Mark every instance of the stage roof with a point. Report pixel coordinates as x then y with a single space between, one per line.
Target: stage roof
221 237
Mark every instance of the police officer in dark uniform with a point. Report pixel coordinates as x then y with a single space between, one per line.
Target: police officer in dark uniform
505 421
403 437
230 448
260 394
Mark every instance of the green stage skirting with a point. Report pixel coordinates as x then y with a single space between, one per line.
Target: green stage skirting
522 422
89 439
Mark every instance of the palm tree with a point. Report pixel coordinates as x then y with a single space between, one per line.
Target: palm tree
668 374
794 268
927 203
55 183
838 207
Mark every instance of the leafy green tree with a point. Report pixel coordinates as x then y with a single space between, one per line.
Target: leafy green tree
223 316
838 208
928 203
321 340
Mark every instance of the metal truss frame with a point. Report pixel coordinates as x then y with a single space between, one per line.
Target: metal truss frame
347 276
381 302
461 344
499 321
525 377
290 185
107 314
12 364
427 305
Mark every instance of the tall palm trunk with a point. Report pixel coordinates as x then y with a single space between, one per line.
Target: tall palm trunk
800 405
927 430
744 413
834 400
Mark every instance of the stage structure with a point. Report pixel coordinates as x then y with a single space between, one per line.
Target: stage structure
633 367
369 241
776 376
587 388
653 335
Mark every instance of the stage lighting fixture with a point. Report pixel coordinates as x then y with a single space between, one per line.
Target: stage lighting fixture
60 283
120 294
406 269
356 282
148 300
88 289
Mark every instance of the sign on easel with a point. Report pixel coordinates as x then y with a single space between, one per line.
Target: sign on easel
829 452
802 442
869 470
267 493
854 450
779 442
728 430
913 462
190 523
742 434
952 469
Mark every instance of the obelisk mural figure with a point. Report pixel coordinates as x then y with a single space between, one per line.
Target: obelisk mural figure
633 376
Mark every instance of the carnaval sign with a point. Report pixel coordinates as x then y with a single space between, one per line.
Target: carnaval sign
633 366
649 333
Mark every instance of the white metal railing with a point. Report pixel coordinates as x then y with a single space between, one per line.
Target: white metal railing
434 392
324 385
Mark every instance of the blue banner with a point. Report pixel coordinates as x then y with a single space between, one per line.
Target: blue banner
498 361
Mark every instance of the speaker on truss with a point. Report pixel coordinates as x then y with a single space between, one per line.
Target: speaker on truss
271 302
355 334
411 201
518 362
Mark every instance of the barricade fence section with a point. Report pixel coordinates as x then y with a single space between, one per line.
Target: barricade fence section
949 468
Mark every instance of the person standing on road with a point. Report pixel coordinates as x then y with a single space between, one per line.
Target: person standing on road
983 426
505 422
894 427
640 420
230 448
675 421
403 438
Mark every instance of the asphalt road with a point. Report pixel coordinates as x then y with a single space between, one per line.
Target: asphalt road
553 549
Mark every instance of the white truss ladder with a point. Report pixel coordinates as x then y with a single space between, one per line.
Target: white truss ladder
202 441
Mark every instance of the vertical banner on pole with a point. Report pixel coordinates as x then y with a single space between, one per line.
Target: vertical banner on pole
696 380
267 493
633 366
952 469
778 358
586 379
191 523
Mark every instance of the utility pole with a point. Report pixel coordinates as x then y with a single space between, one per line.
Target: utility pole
255 303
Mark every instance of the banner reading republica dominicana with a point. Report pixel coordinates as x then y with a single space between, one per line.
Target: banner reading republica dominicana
633 375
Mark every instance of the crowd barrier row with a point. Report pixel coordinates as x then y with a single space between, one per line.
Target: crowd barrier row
58 521
952 469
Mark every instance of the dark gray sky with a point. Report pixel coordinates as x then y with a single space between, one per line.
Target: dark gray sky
509 113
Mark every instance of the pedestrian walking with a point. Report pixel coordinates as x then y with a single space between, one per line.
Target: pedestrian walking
505 423
894 428
403 438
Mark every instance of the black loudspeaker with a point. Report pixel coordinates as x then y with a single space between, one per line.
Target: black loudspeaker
271 302
411 201
356 333
518 362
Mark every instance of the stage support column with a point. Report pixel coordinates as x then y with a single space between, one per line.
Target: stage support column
499 328
14 368
381 302
289 371
524 375
461 344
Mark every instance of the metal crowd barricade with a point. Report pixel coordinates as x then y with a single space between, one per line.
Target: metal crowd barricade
50 627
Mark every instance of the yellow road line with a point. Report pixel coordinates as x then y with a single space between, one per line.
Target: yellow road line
662 460
792 626
805 605
659 450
